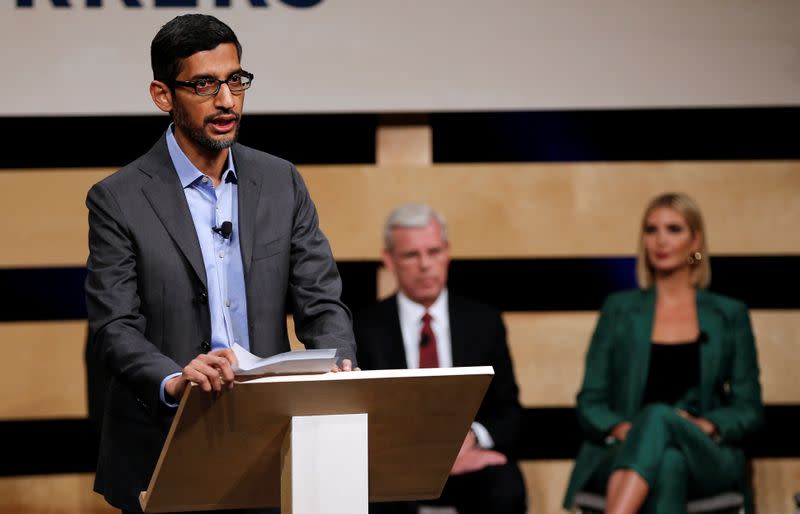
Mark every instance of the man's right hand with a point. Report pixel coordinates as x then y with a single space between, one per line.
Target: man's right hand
211 371
472 457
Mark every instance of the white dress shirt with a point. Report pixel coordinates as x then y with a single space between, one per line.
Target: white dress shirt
410 314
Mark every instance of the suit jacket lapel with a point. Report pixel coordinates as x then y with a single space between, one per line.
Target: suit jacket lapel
711 333
457 331
250 182
640 348
396 351
166 197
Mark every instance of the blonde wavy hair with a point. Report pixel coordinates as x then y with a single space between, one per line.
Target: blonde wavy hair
688 208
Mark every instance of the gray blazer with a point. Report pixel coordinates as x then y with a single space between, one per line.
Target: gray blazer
148 304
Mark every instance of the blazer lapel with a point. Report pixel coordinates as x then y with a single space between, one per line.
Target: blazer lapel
457 331
250 182
165 195
642 333
396 351
711 333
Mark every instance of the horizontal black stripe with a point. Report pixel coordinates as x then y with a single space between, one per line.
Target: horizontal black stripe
31 294
48 447
509 285
84 141
532 136
42 294
359 283
616 135
583 284
554 434
70 445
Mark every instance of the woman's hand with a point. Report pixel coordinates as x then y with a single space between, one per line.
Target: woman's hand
620 431
708 428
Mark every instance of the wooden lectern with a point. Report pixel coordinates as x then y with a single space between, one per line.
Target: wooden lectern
317 444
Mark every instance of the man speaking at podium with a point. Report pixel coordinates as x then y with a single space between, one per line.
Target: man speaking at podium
198 244
424 326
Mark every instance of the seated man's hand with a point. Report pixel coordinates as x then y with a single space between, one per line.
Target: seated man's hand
347 365
211 371
472 457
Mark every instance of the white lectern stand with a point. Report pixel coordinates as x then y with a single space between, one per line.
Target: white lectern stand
317 444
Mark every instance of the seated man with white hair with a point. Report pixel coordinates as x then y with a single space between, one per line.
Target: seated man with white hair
424 326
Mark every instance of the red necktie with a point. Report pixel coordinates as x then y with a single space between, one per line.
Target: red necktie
427 345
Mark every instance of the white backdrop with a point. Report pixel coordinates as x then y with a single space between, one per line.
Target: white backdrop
420 55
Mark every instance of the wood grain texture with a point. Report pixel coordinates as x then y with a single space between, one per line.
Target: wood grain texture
494 210
775 482
563 209
547 349
52 494
48 375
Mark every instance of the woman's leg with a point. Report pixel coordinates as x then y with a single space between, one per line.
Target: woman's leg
626 493
669 493
655 430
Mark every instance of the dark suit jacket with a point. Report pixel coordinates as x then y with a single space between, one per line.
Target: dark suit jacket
729 394
478 338
148 303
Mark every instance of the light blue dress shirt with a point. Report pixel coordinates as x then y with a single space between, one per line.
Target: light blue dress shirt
211 207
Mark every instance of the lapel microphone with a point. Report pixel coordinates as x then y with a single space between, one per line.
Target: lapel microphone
225 230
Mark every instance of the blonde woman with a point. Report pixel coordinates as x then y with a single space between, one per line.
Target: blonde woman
671 384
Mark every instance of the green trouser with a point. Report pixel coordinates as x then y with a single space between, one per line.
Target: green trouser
676 459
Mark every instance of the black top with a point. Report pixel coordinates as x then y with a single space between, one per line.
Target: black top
674 369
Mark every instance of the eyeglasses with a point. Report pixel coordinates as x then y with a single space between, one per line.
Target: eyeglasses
237 83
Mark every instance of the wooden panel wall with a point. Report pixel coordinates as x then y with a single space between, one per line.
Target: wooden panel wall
775 481
494 211
497 210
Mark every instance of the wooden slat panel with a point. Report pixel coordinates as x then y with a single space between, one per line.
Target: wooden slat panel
294 343
404 145
48 376
47 209
548 350
775 481
555 210
777 336
494 210
52 494
546 483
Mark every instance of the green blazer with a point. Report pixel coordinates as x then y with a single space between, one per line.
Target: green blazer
617 365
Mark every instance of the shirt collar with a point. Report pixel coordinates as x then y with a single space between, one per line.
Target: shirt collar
409 309
188 173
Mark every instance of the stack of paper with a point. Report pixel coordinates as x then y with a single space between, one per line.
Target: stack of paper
288 363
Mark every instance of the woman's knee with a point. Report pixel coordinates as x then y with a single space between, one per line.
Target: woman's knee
659 414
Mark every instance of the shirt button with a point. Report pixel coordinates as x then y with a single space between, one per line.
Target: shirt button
205 180
227 303
221 255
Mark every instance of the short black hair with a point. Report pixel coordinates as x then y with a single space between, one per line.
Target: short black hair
184 36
